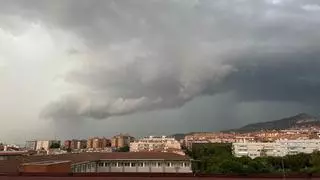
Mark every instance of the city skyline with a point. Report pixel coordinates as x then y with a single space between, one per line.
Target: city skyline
82 68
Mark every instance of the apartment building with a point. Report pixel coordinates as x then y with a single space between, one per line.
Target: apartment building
31 145
98 143
45 144
67 144
81 144
121 140
277 148
154 143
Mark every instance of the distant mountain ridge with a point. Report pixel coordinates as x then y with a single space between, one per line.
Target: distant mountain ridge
298 121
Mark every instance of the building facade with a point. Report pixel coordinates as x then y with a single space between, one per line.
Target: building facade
154 143
98 143
82 144
67 144
45 144
121 140
148 164
277 148
89 143
31 145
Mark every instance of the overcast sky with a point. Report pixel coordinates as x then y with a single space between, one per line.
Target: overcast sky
78 68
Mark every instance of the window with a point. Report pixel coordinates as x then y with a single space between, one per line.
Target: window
106 164
153 164
159 164
126 164
120 164
89 166
140 164
133 164
101 164
168 164
186 164
113 164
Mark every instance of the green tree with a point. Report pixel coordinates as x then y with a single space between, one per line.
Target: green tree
297 162
123 149
230 166
55 145
315 162
259 165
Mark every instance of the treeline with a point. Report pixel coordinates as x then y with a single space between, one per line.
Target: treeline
218 159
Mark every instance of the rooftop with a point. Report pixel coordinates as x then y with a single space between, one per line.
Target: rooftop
12 153
13 164
45 163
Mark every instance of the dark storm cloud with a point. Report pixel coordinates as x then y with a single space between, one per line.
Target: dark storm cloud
290 77
149 55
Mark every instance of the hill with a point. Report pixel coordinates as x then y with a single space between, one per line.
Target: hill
298 121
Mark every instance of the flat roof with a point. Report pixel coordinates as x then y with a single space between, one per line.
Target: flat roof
45 163
12 165
12 153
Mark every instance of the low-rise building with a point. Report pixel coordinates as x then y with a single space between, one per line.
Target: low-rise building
150 162
277 148
45 144
154 143
46 167
67 144
122 162
7 155
31 145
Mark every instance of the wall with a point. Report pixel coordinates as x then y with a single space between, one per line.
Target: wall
56 168
137 166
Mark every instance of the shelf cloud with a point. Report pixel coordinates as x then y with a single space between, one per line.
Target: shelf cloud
141 55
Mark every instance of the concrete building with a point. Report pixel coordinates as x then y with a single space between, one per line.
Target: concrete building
106 142
121 140
254 150
31 145
137 162
82 144
90 143
154 143
148 162
277 148
98 143
74 144
67 144
45 144
7 155
46 166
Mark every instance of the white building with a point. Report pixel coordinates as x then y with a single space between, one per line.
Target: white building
153 143
278 148
148 162
45 144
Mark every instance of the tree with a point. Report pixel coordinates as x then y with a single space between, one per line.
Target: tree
54 146
124 149
259 165
297 162
231 166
